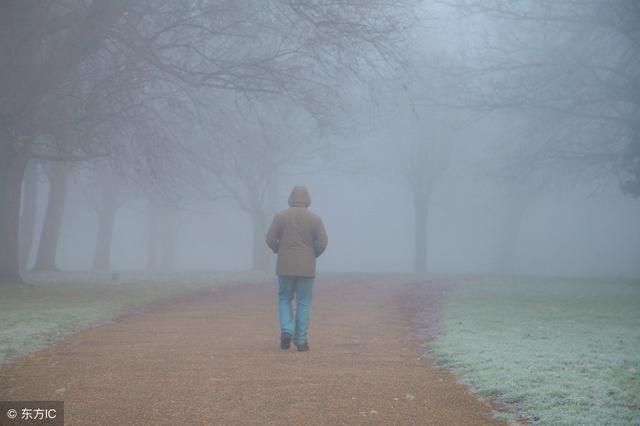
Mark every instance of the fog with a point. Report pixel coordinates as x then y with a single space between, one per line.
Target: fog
470 254
435 137
565 231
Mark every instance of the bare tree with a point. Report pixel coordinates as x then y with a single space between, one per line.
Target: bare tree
47 249
39 46
424 149
247 148
105 191
571 66
280 47
161 235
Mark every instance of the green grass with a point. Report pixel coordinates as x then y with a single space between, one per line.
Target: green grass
52 306
554 351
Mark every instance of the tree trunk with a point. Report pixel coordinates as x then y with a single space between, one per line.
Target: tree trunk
47 250
28 216
421 216
106 218
168 216
152 237
260 253
102 256
13 162
508 238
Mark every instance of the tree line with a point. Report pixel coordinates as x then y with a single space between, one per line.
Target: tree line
188 100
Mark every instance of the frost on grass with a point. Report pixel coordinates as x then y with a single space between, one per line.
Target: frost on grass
555 351
33 326
54 305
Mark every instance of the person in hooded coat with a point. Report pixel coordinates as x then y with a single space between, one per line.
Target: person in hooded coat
298 237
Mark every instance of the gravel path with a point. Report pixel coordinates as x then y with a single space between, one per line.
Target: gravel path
215 359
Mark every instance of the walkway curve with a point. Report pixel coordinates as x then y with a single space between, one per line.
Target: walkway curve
215 359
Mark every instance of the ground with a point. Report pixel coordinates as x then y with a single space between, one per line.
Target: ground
214 358
553 350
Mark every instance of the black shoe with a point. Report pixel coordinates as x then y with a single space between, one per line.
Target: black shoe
303 348
285 340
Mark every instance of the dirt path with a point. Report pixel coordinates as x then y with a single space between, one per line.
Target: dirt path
216 360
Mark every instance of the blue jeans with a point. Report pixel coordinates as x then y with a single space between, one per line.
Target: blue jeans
302 288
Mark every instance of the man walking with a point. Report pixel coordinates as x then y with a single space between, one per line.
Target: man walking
297 235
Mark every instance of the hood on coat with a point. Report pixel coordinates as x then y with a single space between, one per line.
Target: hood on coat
299 197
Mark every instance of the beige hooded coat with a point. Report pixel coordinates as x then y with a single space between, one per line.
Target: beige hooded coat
297 235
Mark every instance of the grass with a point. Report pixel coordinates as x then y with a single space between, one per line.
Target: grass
554 351
52 306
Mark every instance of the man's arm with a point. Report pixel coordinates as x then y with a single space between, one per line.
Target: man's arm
273 236
321 240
